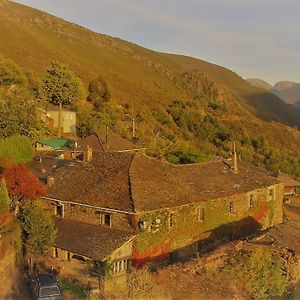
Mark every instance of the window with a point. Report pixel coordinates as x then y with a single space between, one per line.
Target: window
271 194
201 214
105 219
59 210
120 266
251 200
231 207
78 257
55 252
171 219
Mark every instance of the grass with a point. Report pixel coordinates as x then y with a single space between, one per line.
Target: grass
74 289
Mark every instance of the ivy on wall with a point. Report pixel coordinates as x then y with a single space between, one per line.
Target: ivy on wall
157 238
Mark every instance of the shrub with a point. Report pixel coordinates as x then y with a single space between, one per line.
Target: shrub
4 198
18 149
260 272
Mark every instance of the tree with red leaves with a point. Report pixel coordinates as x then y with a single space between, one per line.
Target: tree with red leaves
22 184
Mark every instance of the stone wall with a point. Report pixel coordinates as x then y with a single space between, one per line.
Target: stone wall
10 256
90 215
181 229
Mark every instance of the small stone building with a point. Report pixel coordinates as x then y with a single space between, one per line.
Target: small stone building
68 119
53 144
173 212
290 185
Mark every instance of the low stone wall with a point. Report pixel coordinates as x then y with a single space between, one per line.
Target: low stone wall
10 252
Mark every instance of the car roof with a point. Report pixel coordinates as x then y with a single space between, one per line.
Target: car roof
46 280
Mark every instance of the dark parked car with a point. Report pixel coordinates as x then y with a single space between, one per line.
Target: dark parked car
45 287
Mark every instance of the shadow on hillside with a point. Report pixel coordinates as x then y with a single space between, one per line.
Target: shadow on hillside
269 107
223 234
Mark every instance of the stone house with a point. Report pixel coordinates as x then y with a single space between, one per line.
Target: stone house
68 119
127 209
290 185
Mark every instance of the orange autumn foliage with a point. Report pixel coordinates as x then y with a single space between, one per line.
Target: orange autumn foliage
22 184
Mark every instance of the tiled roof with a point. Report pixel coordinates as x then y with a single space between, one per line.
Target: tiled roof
135 182
98 143
45 163
287 179
157 184
103 182
92 241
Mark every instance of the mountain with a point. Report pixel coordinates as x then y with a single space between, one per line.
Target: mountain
288 91
149 82
33 39
259 83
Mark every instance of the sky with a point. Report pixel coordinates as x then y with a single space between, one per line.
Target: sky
255 38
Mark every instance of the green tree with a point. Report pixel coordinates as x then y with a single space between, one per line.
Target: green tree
11 73
61 87
4 198
38 227
98 93
17 149
19 114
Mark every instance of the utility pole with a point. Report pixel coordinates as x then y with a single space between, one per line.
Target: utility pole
133 127
234 158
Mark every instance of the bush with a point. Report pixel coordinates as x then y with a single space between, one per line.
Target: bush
4 198
260 272
18 149
71 287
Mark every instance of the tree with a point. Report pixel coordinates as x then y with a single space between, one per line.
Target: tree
22 184
61 87
19 114
99 93
11 73
17 149
4 198
38 227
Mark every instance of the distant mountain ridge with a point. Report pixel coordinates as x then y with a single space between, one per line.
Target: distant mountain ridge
288 91
259 83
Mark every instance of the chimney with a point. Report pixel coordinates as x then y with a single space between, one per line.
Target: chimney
234 160
50 181
88 154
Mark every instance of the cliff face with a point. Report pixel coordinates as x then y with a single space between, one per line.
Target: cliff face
10 257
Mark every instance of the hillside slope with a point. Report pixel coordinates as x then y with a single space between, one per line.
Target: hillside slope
288 91
34 39
259 83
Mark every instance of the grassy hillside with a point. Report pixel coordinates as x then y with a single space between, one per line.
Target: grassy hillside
33 39
260 83
148 82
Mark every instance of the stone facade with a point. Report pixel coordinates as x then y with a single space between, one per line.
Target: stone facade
68 120
91 215
181 232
